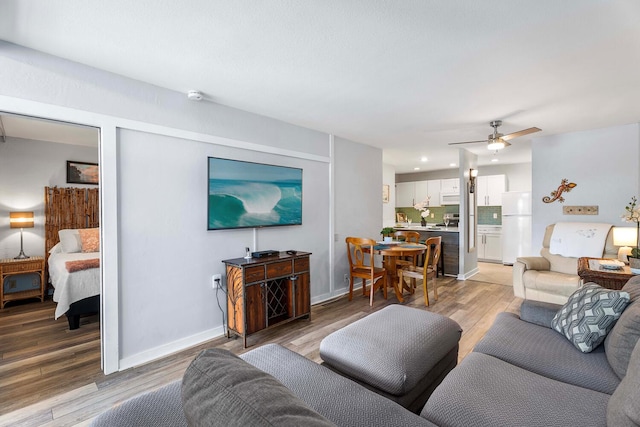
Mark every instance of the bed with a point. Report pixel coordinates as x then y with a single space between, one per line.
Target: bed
72 249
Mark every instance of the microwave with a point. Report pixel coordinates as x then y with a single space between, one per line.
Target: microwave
449 198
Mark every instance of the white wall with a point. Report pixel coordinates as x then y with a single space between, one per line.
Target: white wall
358 200
157 179
389 209
602 162
167 254
26 167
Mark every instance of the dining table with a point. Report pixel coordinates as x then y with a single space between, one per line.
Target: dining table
390 252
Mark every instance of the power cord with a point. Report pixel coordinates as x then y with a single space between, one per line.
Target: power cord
219 287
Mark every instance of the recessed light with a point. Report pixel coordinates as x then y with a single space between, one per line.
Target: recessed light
494 159
423 159
453 165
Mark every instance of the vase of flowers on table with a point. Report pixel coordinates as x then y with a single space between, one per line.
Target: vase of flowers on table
423 207
632 214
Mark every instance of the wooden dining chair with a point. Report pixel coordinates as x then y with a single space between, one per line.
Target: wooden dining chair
427 271
409 237
357 247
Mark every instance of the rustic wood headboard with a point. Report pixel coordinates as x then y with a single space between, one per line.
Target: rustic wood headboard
68 208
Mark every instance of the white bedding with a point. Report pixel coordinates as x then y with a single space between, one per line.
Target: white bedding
72 287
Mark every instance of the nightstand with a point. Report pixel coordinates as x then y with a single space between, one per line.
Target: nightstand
12 267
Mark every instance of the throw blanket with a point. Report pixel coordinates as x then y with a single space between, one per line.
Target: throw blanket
579 239
82 264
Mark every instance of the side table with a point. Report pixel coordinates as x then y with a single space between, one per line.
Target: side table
589 270
12 267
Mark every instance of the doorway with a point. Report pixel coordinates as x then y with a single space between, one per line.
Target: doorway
39 351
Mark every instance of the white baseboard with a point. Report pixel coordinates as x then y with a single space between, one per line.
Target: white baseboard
469 274
193 340
169 348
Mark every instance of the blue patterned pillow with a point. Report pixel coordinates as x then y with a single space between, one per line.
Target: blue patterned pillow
589 315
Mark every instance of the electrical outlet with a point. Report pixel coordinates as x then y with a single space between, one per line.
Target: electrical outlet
495 215
432 215
346 277
215 281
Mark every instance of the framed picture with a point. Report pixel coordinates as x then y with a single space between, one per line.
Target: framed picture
82 173
385 193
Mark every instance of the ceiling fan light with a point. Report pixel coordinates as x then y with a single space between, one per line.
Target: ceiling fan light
496 144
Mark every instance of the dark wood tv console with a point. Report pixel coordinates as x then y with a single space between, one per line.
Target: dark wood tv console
264 292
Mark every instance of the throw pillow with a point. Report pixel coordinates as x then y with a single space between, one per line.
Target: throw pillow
589 315
70 240
219 388
90 239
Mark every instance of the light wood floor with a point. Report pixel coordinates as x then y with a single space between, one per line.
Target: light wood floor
50 376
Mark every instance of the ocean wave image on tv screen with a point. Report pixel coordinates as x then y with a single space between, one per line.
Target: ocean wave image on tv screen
253 195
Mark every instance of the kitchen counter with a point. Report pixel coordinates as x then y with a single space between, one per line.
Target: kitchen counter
429 228
450 245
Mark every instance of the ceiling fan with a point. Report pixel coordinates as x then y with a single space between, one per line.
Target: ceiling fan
497 141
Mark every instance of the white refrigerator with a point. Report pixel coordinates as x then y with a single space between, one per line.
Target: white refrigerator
516 226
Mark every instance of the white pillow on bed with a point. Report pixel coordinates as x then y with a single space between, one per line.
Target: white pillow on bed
70 240
56 249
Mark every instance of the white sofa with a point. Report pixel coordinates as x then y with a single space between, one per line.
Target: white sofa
549 277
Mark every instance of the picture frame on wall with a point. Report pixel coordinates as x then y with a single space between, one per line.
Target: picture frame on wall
82 173
385 193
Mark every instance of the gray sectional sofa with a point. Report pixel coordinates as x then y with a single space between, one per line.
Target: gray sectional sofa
522 373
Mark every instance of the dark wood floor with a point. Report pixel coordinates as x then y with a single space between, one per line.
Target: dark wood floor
51 376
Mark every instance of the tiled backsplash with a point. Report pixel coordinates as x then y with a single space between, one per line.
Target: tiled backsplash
485 215
438 212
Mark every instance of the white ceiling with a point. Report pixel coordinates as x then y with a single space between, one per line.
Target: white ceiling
12 126
406 76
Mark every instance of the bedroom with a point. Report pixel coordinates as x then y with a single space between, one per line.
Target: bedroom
32 159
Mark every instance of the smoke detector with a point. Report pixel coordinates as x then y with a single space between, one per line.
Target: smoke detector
194 95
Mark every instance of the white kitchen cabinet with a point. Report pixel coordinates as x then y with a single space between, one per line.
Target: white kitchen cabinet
410 193
489 189
489 244
405 194
422 191
433 190
451 185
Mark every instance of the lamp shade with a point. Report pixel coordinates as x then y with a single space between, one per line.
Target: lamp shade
21 219
625 236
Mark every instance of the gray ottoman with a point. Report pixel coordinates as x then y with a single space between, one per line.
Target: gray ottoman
400 352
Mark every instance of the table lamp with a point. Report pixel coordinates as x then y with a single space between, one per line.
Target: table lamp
625 237
21 220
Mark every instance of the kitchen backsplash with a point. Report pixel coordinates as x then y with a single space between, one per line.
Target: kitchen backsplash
485 215
438 212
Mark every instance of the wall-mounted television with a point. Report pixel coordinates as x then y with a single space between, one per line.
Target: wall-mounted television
247 195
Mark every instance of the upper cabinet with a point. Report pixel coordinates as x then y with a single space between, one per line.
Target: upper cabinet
489 189
405 194
428 190
451 185
410 193
433 190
